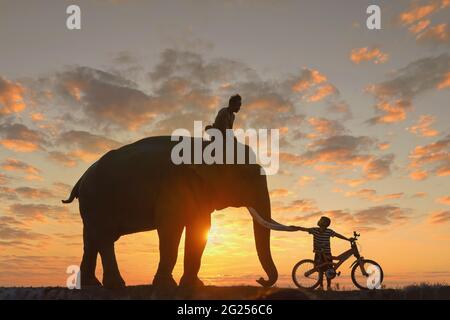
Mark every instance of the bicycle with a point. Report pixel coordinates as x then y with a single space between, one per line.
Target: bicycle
365 274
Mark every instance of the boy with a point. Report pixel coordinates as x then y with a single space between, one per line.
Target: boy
322 247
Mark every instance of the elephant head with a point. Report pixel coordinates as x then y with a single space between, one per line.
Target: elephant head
243 185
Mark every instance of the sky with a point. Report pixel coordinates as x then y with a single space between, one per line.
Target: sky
363 117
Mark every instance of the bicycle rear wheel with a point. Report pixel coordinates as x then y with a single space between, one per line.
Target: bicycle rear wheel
300 278
374 278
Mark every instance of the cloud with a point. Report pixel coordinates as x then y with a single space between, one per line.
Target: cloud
38 212
62 158
419 195
19 138
325 127
106 98
11 97
372 195
366 219
14 233
336 153
300 205
423 127
445 82
420 26
351 182
312 86
34 193
340 149
417 19
382 215
7 193
368 54
4 179
191 65
439 217
321 92
394 96
20 166
435 35
82 145
307 79
433 158
417 12
378 168
304 180
444 200
279 193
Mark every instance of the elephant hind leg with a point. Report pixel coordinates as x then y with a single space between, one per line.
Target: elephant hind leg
89 263
111 275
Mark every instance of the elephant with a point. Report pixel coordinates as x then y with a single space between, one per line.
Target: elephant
137 188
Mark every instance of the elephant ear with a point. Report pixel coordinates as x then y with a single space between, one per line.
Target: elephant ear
203 183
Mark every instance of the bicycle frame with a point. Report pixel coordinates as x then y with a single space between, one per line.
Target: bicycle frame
353 251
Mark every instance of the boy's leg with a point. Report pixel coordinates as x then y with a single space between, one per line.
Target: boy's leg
328 284
320 280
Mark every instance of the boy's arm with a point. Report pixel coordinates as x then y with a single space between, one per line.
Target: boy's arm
340 236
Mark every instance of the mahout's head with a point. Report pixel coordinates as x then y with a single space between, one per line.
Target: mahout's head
235 103
324 222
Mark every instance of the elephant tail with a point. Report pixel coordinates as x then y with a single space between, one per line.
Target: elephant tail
73 194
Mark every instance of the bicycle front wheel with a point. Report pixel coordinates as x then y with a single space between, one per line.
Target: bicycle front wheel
373 277
304 275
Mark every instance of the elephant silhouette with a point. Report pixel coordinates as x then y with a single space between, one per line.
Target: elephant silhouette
137 188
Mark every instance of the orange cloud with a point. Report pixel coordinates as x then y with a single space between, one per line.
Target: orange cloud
62 158
351 182
384 146
304 180
368 54
418 175
83 146
20 138
394 96
420 26
308 78
445 82
321 92
37 116
436 34
278 193
444 200
419 195
11 97
39 212
393 112
324 126
302 205
267 103
372 195
417 12
17 165
422 128
430 158
19 145
439 217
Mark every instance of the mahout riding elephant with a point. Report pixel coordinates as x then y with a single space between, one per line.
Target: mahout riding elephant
138 188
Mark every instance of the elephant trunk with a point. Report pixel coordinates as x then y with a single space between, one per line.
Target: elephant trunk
262 241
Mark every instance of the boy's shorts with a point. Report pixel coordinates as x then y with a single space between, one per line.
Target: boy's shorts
321 258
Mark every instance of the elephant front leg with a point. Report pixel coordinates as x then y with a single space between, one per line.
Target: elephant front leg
195 242
169 240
